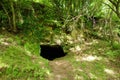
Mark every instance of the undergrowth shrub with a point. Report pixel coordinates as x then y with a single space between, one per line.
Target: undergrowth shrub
114 52
3 19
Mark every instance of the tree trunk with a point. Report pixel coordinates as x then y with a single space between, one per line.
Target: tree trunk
13 17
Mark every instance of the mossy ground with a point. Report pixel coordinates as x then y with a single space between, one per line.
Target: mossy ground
20 60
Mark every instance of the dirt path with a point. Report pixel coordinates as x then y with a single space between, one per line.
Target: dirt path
61 70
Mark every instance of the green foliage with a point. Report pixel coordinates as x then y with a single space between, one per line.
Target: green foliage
113 54
29 47
116 46
117 30
3 19
39 21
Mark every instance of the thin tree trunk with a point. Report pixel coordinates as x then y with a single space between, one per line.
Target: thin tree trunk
13 17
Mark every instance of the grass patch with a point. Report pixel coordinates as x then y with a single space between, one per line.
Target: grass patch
90 70
22 61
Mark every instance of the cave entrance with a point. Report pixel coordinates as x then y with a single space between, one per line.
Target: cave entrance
51 52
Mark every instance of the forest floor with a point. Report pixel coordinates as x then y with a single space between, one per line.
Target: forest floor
20 60
90 66
61 70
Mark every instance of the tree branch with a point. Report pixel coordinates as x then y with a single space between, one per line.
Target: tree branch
110 7
113 2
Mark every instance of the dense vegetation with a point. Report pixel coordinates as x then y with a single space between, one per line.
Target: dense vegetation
84 28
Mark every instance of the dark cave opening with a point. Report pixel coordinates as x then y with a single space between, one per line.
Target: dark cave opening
51 52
